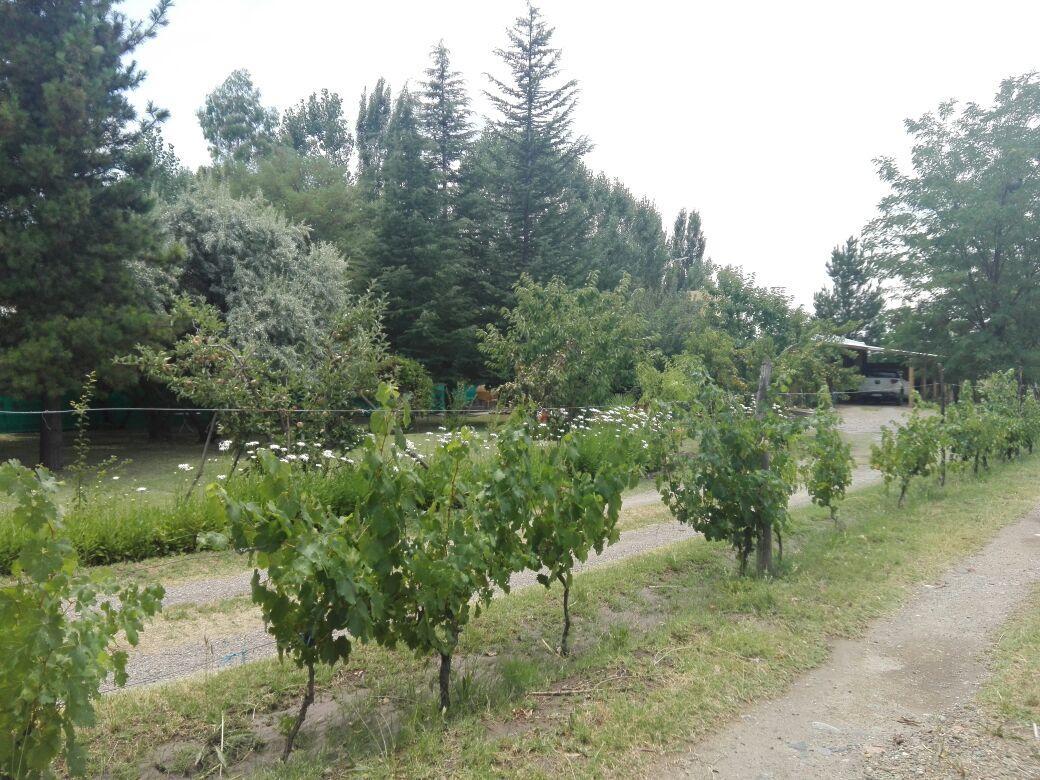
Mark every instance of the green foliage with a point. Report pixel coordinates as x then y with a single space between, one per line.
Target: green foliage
971 429
958 232
412 379
234 121
534 155
911 450
688 268
575 486
130 528
317 127
75 175
58 631
563 346
209 369
827 469
740 475
1001 396
276 289
317 584
854 302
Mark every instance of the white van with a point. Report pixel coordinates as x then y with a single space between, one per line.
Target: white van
883 386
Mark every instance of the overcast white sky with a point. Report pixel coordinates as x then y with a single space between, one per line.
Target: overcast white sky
765 116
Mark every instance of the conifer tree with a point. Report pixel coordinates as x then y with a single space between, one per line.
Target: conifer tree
74 196
854 299
445 115
535 155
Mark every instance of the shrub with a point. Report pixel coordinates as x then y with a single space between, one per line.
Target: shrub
413 381
971 429
110 530
57 633
828 467
736 484
912 450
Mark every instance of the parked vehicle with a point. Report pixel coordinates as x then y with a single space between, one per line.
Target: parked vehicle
883 387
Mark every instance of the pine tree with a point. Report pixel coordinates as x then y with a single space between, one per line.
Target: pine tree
74 196
854 300
236 124
445 115
534 157
688 269
370 133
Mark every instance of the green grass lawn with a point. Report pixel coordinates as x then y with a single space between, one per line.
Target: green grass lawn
668 646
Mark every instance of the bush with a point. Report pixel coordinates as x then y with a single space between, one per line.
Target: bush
828 467
413 381
103 532
58 629
911 450
736 484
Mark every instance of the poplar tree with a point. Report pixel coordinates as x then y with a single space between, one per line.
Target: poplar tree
370 134
688 269
535 154
74 196
316 127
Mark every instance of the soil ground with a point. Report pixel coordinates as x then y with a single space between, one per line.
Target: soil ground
892 704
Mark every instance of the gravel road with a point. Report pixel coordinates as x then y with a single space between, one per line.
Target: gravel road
852 717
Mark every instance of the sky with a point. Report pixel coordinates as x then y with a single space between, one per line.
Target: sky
764 116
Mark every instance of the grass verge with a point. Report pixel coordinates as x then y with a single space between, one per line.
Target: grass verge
667 647
1012 693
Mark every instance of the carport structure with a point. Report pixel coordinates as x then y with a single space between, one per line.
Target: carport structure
906 366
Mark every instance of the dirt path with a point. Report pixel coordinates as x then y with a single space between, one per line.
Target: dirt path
876 692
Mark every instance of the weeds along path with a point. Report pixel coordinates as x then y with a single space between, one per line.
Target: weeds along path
195 652
877 691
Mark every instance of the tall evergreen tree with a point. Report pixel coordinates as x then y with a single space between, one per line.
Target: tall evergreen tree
370 132
235 122
74 196
535 156
854 299
445 114
688 268
317 127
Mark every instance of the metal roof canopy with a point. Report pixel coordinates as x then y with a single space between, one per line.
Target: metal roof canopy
862 346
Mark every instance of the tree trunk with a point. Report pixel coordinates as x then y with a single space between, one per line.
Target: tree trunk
51 454
566 614
445 679
764 548
308 700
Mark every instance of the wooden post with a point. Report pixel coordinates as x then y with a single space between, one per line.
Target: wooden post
910 401
764 540
924 381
